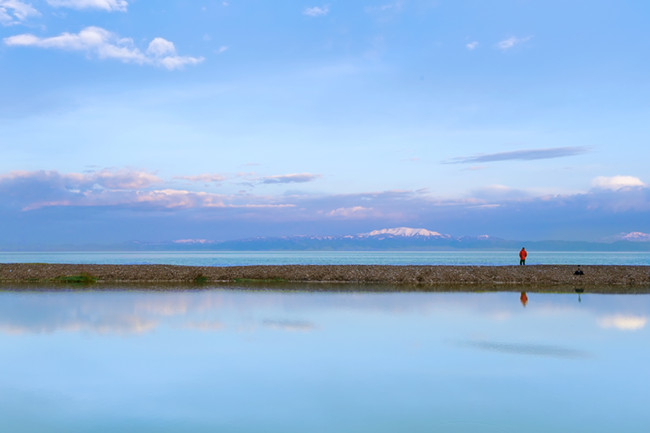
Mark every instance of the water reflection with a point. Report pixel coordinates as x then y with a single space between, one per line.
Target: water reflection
523 298
528 349
236 360
623 322
137 312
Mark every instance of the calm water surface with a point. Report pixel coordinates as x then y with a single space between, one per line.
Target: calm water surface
234 360
241 258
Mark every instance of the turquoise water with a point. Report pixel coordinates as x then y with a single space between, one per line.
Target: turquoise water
235 258
231 360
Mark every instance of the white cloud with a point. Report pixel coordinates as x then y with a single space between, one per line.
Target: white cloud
636 237
107 45
623 323
617 182
222 49
351 212
178 62
107 5
512 42
160 47
316 11
472 45
15 12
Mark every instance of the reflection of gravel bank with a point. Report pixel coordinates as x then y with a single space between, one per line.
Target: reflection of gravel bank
539 275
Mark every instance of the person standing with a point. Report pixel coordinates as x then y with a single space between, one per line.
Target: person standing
522 256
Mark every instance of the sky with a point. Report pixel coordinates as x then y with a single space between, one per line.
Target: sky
131 120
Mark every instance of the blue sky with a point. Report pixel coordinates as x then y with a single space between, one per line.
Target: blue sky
129 120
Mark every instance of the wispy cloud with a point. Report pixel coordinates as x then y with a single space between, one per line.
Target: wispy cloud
15 12
107 5
205 325
512 42
615 183
471 45
522 155
316 11
103 44
499 193
290 178
353 212
386 7
204 178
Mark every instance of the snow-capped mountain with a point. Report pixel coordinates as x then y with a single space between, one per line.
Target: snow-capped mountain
405 232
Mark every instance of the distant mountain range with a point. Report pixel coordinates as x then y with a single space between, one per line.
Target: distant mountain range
397 238
403 238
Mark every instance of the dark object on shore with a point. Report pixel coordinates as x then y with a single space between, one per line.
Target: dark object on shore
578 271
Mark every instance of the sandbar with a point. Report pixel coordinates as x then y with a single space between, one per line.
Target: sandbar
596 278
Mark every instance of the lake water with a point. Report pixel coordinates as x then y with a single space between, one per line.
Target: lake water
236 360
237 258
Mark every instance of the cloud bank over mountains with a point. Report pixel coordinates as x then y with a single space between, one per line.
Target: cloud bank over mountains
125 199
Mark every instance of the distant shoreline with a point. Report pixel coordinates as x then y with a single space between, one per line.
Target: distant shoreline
596 278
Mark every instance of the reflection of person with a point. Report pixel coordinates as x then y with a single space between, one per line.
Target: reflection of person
522 256
523 298
578 271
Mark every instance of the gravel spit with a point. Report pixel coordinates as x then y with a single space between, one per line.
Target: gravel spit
622 278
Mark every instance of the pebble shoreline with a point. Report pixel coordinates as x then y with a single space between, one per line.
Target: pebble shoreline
633 279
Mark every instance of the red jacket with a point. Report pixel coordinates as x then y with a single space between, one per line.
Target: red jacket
523 254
